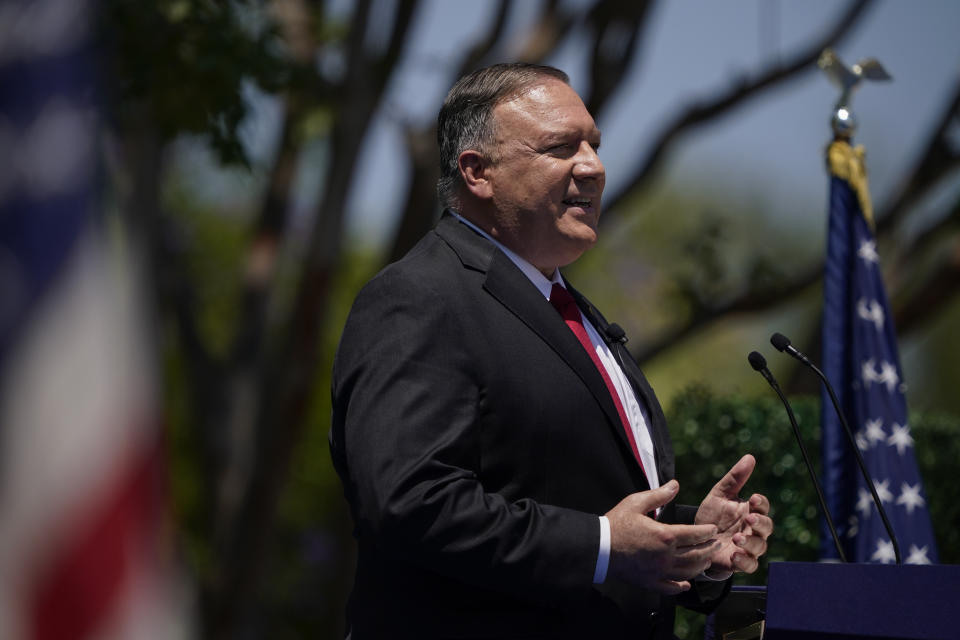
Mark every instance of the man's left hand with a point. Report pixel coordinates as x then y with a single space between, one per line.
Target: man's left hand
743 527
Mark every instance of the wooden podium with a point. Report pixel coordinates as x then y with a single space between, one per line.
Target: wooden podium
846 601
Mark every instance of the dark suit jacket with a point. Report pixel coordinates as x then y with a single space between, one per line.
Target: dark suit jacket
477 445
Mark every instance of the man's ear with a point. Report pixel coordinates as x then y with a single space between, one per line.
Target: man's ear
474 169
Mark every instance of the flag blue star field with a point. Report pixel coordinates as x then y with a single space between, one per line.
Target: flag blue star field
860 360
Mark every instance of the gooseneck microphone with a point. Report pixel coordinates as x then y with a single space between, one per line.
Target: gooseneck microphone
782 343
759 363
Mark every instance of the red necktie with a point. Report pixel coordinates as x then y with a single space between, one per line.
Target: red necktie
564 303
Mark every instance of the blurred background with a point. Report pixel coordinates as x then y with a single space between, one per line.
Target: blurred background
192 192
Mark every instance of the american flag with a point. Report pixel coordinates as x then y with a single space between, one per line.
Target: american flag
860 360
82 524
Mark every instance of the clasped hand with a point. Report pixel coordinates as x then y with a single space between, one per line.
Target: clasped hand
727 535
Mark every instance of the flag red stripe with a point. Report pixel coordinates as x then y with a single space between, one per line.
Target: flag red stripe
84 582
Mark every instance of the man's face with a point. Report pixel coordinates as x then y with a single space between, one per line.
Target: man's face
546 178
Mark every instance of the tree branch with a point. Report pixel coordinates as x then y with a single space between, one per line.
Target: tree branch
938 158
398 35
616 31
548 31
930 296
286 380
698 113
746 302
751 301
925 239
486 43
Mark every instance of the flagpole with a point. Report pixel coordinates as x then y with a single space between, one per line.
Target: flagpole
861 371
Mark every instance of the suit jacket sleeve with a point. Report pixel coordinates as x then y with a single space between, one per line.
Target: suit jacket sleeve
405 439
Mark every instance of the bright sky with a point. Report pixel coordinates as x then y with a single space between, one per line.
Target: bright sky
771 148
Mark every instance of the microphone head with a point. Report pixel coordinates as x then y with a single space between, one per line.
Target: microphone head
616 333
757 361
779 341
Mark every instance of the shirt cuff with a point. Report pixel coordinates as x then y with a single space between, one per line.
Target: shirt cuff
703 576
603 556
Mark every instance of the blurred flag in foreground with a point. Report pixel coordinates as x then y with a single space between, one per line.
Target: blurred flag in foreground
82 518
860 360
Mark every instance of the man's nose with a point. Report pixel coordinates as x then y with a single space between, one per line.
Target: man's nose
588 165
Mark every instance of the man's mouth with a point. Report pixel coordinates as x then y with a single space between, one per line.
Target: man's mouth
579 202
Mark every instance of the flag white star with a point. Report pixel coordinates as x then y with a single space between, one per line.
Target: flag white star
884 552
864 502
872 312
868 252
917 555
862 442
883 491
888 376
900 438
874 431
853 526
910 497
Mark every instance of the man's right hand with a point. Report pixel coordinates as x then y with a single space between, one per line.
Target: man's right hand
653 555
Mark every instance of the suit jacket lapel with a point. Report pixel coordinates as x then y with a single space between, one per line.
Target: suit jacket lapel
505 282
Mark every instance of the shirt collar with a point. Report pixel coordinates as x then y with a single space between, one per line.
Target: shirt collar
540 281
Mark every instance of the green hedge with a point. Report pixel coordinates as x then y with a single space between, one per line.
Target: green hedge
711 432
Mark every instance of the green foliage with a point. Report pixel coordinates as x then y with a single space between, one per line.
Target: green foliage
208 249
186 477
309 561
182 64
928 356
937 447
211 251
710 433
688 248
312 559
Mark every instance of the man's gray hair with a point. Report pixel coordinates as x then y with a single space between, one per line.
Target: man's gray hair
465 120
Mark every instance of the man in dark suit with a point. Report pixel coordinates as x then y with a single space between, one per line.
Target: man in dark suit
507 465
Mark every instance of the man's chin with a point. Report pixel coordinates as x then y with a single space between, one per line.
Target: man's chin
577 246
586 236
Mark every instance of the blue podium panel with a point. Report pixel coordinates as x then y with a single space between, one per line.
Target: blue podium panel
846 601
